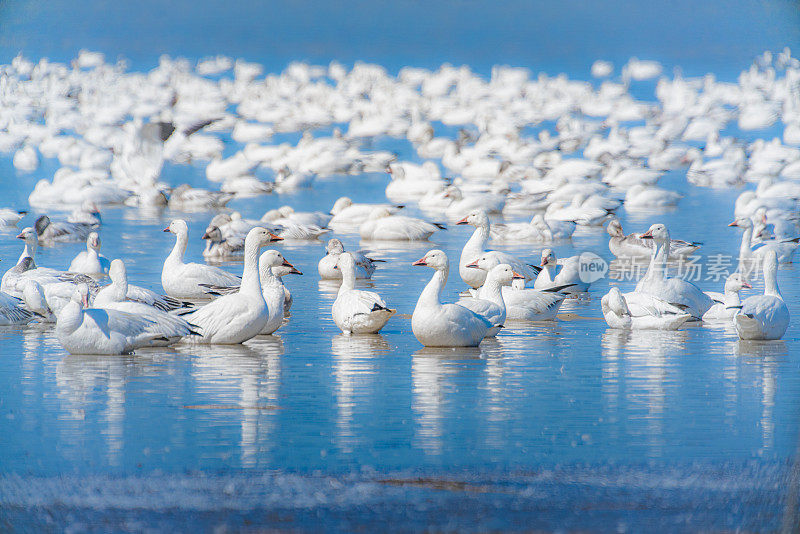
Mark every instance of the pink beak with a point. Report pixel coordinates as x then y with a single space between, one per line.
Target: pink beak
420 261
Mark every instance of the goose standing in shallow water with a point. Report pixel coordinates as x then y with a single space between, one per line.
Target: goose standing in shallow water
444 325
90 261
764 316
183 280
356 311
235 318
475 247
673 290
556 273
365 266
633 246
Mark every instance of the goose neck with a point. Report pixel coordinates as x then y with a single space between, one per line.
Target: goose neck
430 295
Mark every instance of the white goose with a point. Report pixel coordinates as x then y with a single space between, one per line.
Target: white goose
476 247
522 303
618 315
489 302
356 311
183 280
235 318
726 304
12 312
365 266
84 330
171 327
90 261
347 213
383 226
444 325
764 316
673 290
633 246
751 255
9 218
557 273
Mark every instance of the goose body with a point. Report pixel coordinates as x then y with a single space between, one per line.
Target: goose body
764 316
633 246
356 311
489 302
383 226
617 315
444 325
560 272
364 266
726 304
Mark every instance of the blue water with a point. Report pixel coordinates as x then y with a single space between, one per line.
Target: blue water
563 426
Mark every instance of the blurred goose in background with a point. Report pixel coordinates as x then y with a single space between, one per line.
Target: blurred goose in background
383 226
9 218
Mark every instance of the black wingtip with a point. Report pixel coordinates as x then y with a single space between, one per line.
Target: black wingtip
557 289
440 226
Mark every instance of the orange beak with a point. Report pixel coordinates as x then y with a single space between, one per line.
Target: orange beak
420 261
166 230
21 236
473 265
544 262
647 235
273 237
464 220
293 270
733 224
516 276
746 284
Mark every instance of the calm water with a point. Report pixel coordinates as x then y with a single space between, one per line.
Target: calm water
567 425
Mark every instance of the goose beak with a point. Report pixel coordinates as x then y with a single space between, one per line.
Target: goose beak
420 261
733 224
544 262
273 237
746 285
464 220
473 265
85 300
292 268
206 235
516 276
21 236
647 235
166 229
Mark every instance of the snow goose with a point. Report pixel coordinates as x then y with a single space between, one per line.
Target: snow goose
383 226
356 311
673 290
9 218
488 302
617 315
87 213
444 325
346 213
90 261
750 256
218 247
84 330
235 318
633 246
186 198
364 265
560 272
182 280
137 294
726 304
115 297
764 316
12 312
62 231
476 247
644 197
522 303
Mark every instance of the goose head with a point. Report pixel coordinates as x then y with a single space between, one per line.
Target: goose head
341 204
504 274
117 271
273 258
614 229
178 227
93 241
334 247
616 302
213 234
476 218
736 283
486 262
286 211
260 236
657 232
81 295
548 257
435 259
380 213
28 235
742 222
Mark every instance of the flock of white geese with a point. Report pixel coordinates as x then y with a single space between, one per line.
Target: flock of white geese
112 131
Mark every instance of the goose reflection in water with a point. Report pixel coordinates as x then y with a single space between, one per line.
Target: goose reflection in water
431 371
764 357
243 376
353 372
